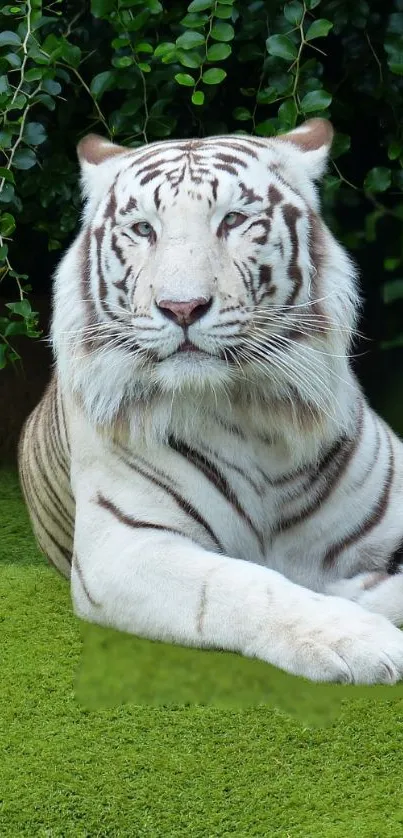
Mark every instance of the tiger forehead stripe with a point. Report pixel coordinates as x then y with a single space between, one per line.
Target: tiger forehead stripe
291 215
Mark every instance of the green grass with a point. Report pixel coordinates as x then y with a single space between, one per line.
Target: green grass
87 749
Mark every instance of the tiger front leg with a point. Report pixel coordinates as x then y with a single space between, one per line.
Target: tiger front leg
157 584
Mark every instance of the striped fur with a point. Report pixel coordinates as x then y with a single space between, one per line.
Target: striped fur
203 464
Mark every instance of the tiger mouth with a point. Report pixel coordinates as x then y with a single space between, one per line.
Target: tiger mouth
189 348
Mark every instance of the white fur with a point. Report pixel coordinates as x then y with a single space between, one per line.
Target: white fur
281 604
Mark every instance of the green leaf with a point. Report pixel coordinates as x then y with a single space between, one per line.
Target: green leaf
391 264
395 149
318 29
13 60
3 252
189 58
393 290
218 52
200 5
23 308
144 47
7 224
138 22
340 145
19 102
34 133
194 21
242 114
101 8
24 158
198 97
190 40
121 41
155 7
122 61
266 128
214 76
395 23
12 10
34 74
101 83
223 12
282 47
15 328
294 12
185 79
5 138
7 193
163 49
52 87
311 4
378 179
70 53
222 32
46 100
131 106
161 126
3 355
9 39
266 96
287 114
4 85
6 174
316 100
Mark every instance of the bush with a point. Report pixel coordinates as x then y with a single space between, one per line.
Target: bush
143 70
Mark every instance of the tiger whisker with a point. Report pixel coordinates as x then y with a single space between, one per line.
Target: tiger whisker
305 346
295 366
279 367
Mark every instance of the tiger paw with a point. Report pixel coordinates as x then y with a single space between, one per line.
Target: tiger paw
337 640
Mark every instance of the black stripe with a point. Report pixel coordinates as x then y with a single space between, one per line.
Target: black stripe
217 479
237 469
38 522
129 521
49 490
370 522
395 560
342 455
183 504
77 567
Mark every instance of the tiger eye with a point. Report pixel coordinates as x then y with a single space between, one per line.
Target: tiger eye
143 228
232 219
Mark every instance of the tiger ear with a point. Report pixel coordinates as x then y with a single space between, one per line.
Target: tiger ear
314 138
93 150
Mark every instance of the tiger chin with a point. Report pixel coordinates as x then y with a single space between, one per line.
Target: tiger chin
203 465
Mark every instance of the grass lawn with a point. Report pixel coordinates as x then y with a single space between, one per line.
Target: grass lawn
106 735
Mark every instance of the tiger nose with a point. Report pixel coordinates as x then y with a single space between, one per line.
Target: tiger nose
185 312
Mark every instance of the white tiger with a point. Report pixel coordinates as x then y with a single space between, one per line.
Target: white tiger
204 464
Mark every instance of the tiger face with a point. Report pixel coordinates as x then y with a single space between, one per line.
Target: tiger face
203 263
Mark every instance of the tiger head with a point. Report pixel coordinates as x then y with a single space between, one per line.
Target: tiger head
204 264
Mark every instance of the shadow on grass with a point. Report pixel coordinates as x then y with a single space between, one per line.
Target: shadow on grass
118 669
